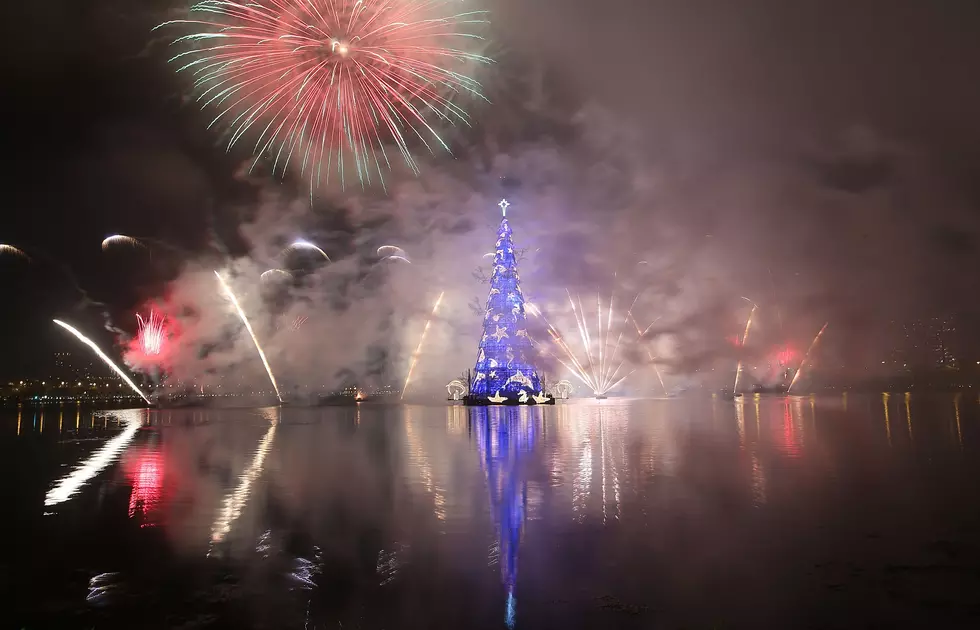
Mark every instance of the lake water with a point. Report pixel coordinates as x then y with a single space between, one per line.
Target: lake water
775 512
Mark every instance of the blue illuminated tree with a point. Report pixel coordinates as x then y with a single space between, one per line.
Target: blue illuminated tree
503 364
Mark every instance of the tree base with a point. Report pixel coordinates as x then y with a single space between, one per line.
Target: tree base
483 401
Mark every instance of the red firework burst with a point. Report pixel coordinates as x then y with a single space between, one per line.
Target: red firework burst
151 348
316 80
152 334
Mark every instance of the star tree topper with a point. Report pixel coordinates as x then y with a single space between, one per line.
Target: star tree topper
504 204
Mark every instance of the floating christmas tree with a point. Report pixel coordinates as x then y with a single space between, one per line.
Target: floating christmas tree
504 372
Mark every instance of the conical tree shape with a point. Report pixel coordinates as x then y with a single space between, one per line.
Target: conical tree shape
503 365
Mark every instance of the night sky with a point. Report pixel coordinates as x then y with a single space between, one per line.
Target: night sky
821 156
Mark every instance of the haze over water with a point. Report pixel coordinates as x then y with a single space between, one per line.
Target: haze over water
774 512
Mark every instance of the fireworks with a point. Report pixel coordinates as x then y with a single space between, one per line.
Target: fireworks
248 327
102 355
120 239
301 244
600 369
392 252
418 350
272 274
151 333
13 251
320 80
813 345
744 340
639 335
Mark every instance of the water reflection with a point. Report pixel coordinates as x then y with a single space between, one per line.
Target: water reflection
790 433
505 436
448 517
236 500
145 471
65 488
418 456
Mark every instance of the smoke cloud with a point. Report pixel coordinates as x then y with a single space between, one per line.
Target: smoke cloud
701 164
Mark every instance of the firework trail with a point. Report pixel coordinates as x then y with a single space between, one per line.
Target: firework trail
393 253
120 239
639 335
745 339
115 368
600 369
327 81
418 350
269 274
301 244
151 333
248 327
13 251
775 299
813 345
391 250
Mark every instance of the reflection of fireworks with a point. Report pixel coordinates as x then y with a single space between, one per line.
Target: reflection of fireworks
120 239
234 502
418 350
146 472
151 333
319 80
248 327
115 368
745 339
806 357
73 481
301 244
14 251
600 369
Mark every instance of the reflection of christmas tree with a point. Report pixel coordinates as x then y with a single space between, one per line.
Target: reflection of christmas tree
503 366
504 439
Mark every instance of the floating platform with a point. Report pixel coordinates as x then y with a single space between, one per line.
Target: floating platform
485 401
